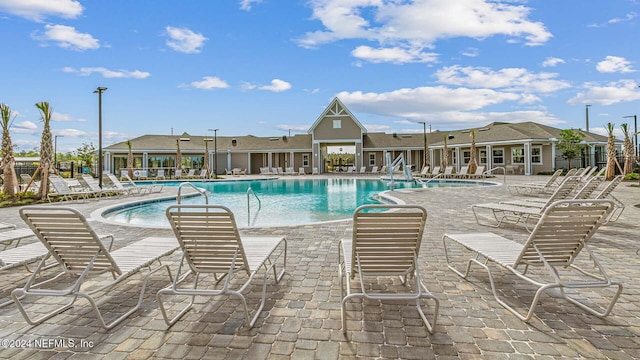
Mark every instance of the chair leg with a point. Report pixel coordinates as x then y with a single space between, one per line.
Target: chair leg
173 291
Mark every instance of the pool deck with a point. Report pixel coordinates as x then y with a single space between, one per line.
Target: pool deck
301 319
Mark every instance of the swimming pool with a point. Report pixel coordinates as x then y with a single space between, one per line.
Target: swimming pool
282 202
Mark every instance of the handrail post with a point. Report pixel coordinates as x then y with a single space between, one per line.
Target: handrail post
200 191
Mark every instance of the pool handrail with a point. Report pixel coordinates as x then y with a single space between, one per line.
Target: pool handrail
199 190
504 173
249 192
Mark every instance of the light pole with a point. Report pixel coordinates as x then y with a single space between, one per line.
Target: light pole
55 151
215 151
586 110
424 132
99 91
635 131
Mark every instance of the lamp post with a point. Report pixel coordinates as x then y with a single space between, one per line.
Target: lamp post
424 132
635 131
55 151
99 90
215 151
586 110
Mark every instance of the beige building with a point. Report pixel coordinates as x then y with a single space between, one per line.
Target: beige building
526 148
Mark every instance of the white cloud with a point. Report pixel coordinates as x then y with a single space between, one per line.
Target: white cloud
67 37
552 61
443 106
419 24
38 10
25 127
470 52
246 4
184 40
70 133
86 71
612 93
210 82
612 64
376 127
277 85
293 128
393 55
514 79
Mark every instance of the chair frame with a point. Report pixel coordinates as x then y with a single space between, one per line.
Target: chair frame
221 251
562 232
81 253
384 244
515 214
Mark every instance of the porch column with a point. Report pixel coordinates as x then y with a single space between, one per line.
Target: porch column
145 161
229 160
269 159
248 163
527 158
489 158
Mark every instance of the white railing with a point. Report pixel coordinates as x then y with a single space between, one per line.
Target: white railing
249 192
188 184
504 173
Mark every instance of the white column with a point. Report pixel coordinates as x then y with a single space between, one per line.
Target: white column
489 158
527 158
248 163
553 156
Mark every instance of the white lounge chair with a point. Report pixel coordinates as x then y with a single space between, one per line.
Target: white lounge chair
434 172
203 173
191 173
73 244
374 170
289 171
478 174
509 213
153 188
92 185
384 244
116 184
301 171
178 174
565 228
314 171
64 192
536 187
463 173
448 172
13 237
160 174
585 192
211 244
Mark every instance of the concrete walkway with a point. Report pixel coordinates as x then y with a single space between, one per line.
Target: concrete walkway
302 317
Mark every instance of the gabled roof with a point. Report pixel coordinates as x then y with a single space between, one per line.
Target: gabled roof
509 132
336 108
164 143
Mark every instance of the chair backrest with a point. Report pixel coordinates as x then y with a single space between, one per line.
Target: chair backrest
563 230
203 173
363 169
448 170
59 185
479 170
554 177
25 178
387 243
114 180
191 172
177 174
564 190
570 172
208 236
374 169
589 172
588 189
301 171
425 170
463 170
436 170
160 173
91 182
609 187
69 238
314 171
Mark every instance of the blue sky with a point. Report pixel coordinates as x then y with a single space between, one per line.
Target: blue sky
270 67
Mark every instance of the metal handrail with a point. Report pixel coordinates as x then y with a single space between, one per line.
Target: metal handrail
433 178
249 192
504 172
201 191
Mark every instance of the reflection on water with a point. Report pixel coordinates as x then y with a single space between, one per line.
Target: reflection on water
284 202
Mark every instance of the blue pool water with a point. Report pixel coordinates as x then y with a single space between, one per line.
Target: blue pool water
283 201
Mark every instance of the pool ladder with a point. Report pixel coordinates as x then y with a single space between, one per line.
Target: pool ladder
249 193
200 191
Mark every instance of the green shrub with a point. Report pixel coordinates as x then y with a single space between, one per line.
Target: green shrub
632 176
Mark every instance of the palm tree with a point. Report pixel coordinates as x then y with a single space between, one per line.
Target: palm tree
473 163
627 149
178 155
445 152
10 180
130 160
611 154
46 148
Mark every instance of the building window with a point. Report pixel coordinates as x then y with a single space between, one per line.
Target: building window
483 157
466 156
517 155
536 155
305 160
498 156
337 124
372 159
